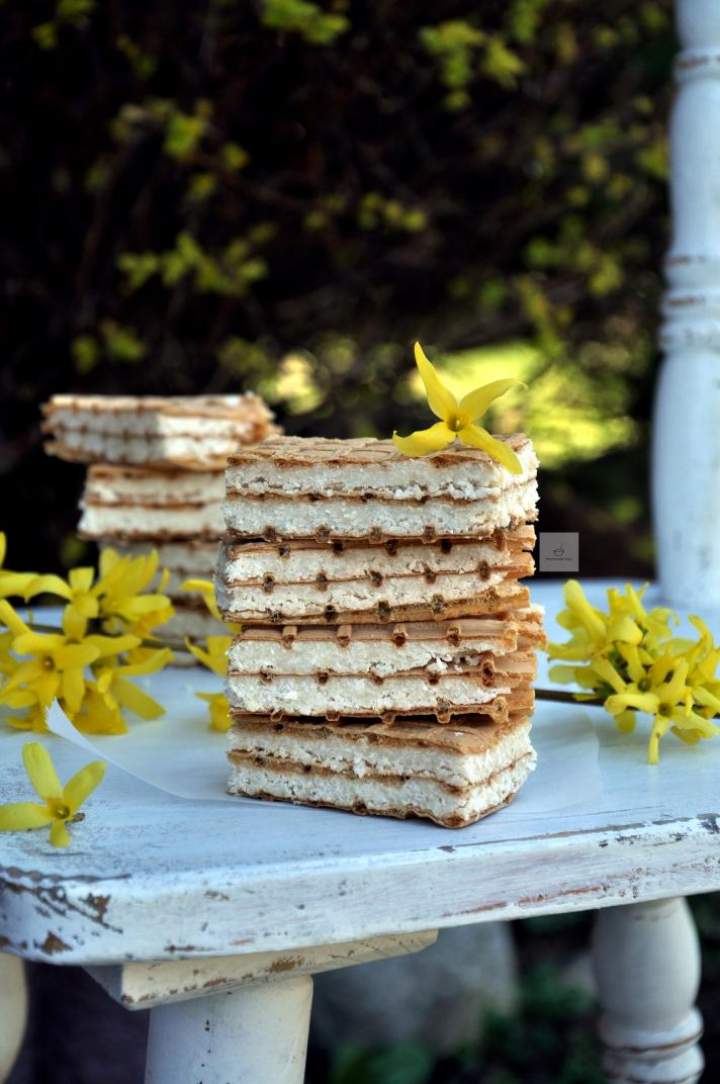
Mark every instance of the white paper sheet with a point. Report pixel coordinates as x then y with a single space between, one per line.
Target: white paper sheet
178 754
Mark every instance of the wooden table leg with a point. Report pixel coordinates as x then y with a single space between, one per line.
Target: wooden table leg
237 1019
647 962
13 1010
258 1034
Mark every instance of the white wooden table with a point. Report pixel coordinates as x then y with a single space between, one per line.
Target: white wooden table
216 916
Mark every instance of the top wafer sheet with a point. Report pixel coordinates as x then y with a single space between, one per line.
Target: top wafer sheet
294 487
192 432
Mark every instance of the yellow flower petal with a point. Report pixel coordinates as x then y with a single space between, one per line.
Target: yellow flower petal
624 630
605 670
73 622
136 700
72 688
476 402
17 816
112 645
219 710
147 662
38 643
83 783
477 437
3 547
50 585
11 620
625 721
659 729
661 668
424 441
576 601
619 702
108 559
675 686
215 658
440 399
59 835
23 584
631 655
97 716
207 590
76 656
81 578
46 686
41 771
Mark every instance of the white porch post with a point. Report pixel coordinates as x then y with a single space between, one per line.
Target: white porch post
13 1010
686 434
647 964
237 1019
256 1034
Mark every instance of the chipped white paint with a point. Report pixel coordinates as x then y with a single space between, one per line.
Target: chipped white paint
686 435
143 985
647 962
256 1035
13 1011
152 878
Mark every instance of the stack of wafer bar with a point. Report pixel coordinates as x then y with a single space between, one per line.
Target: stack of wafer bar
155 479
387 654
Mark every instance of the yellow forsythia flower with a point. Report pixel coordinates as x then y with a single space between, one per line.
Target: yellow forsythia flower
122 589
457 418
628 658
57 663
213 656
59 804
215 659
218 709
87 671
21 584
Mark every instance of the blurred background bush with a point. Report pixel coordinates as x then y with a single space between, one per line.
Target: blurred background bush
282 195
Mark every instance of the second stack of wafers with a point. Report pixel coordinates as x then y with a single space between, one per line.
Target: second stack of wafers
155 479
388 648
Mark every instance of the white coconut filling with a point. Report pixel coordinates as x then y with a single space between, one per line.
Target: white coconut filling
305 565
303 601
398 478
422 798
202 450
349 695
103 521
350 519
72 424
151 487
194 624
362 657
360 756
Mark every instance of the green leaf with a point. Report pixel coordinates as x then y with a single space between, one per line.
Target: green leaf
401 1063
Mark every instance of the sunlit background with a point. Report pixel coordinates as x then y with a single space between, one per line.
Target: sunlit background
213 196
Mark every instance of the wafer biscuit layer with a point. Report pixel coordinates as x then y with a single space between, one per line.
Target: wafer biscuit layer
193 432
134 504
452 775
422 668
321 582
191 621
291 487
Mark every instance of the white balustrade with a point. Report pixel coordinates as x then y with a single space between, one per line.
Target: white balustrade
686 433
